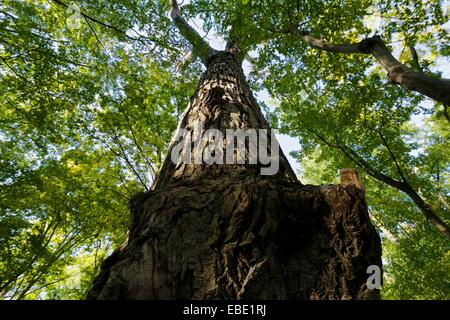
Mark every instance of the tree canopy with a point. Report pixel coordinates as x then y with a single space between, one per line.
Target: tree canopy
91 92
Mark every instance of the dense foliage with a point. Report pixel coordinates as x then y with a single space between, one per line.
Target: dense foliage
91 91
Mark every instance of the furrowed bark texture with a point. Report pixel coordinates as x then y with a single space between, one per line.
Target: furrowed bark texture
227 232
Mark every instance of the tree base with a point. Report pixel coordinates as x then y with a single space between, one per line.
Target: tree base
244 236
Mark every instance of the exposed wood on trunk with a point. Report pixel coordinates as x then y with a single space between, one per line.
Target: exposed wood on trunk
350 176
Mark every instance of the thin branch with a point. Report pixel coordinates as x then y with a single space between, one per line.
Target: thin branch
117 192
123 179
95 33
120 31
65 42
394 158
34 258
8 14
415 58
19 55
125 157
56 281
16 73
391 153
42 270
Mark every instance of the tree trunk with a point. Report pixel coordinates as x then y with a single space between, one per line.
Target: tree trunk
225 231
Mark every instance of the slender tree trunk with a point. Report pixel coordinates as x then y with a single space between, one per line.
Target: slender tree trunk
228 232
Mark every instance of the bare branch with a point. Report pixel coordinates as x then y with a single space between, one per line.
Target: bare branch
404 186
394 158
123 154
138 146
95 33
389 149
435 88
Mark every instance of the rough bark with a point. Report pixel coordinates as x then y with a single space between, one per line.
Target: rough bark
227 232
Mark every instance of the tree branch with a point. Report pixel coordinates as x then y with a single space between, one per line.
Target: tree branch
322 44
415 58
120 31
435 88
428 212
138 146
95 33
388 148
123 154
200 47
404 186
